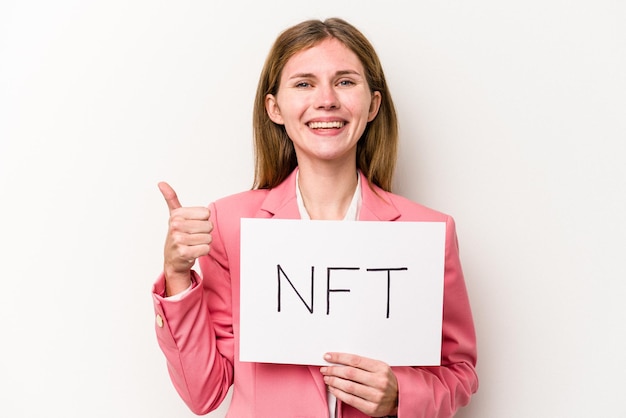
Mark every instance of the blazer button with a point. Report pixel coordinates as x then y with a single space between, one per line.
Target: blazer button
159 321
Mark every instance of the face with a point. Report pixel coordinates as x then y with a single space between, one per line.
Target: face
324 102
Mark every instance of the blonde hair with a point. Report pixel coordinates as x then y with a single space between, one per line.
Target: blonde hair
275 157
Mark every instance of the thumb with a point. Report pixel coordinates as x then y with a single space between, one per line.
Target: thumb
170 196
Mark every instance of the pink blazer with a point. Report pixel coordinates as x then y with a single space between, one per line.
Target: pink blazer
199 334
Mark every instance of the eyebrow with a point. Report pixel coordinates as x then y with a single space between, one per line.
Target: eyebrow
338 73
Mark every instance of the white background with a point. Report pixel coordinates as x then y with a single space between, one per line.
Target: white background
512 118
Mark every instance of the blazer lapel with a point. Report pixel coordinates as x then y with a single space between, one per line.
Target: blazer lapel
281 201
376 204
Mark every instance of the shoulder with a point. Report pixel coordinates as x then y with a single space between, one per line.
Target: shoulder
411 211
227 212
399 208
414 211
243 204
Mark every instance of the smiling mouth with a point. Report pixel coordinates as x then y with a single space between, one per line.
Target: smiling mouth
326 125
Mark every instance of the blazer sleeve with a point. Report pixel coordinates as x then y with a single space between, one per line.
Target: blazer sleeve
438 392
195 332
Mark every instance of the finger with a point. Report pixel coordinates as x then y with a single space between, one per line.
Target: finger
200 214
170 196
368 407
183 257
190 226
190 240
353 400
353 360
351 380
371 393
200 239
193 252
352 385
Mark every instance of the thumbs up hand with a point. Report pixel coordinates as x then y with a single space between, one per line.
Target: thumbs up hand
188 237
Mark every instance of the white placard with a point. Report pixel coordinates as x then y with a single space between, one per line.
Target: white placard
370 288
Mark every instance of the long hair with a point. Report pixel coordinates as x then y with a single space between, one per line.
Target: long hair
275 156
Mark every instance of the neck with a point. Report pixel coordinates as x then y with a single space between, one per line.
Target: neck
327 193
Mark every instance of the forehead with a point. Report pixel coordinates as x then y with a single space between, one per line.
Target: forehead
330 55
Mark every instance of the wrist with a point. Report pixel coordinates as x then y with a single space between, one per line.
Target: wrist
176 282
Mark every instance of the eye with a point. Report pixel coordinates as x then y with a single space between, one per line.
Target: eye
346 83
303 84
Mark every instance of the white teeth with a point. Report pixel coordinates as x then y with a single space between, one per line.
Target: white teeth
325 125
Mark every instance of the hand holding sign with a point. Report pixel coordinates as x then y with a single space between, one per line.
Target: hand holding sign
188 237
368 385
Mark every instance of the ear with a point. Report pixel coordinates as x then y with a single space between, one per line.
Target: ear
374 106
272 109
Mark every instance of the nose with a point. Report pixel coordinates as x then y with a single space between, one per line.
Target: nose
326 97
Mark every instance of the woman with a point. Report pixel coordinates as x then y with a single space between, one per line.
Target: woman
325 148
